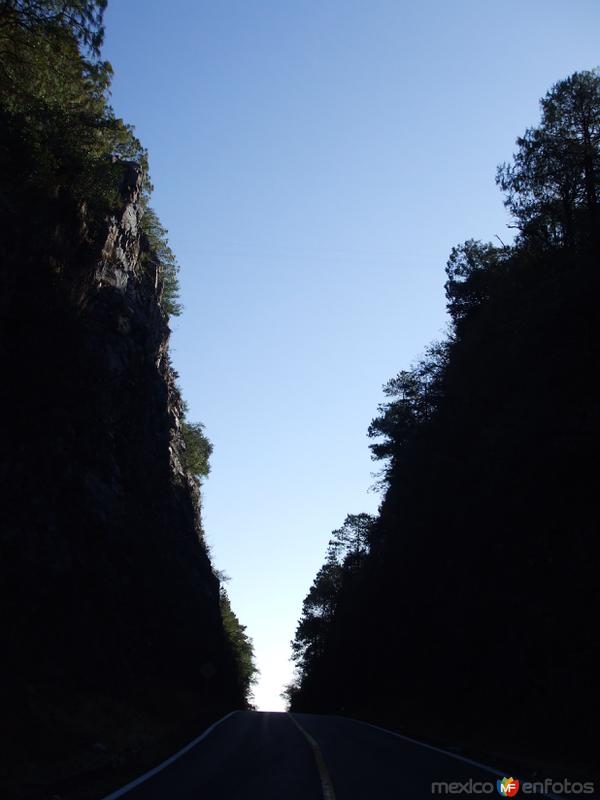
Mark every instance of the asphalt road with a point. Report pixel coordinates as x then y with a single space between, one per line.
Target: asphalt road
274 756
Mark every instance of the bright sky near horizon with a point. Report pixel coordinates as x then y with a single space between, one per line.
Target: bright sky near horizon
314 162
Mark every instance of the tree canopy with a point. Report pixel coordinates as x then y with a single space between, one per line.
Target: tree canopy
83 19
552 185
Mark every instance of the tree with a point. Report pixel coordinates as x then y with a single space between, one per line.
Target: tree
347 549
81 18
412 401
198 448
351 542
469 271
241 644
318 611
160 251
60 140
554 177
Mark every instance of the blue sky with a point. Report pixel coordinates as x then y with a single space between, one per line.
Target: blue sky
314 162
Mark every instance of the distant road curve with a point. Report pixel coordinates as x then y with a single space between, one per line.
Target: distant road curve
252 755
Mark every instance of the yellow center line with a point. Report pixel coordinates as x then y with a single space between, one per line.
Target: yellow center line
326 782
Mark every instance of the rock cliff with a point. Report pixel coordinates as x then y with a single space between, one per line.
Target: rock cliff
111 607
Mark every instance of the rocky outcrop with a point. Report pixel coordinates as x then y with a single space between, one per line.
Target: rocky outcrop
107 589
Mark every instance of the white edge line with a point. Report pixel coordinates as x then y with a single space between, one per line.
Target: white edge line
439 750
178 754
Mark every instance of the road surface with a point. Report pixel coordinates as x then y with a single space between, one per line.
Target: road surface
254 755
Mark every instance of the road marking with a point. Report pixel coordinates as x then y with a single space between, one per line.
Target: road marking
326 782
439 750
178 754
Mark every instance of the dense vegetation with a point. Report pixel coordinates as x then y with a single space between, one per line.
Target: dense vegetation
467 610
119 643
242 644
62 144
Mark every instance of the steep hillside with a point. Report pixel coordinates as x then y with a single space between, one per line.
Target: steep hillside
467 612
114 642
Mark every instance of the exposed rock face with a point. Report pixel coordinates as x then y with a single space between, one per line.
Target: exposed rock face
107 586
